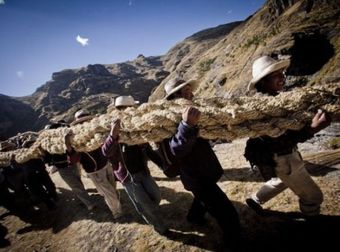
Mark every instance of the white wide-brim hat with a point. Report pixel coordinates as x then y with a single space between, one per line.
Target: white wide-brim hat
264 66
81 116
81 113
125 101
175 85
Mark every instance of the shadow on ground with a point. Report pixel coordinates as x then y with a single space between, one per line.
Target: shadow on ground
69 209
290 231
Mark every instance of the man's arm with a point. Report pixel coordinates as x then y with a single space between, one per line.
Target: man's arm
73 157
187 132
110 147
153 155
319 122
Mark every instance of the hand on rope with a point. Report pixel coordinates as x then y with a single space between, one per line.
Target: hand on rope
68 142
191 116
320 121
115 128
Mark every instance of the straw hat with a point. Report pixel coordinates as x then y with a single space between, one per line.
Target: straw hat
81 116
175 85
264 66
125 101
81 113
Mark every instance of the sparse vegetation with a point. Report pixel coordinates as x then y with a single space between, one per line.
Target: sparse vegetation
101 110
333 143
205 65
275 30
255 40
261 38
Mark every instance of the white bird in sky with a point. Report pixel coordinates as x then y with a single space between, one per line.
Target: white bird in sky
82 41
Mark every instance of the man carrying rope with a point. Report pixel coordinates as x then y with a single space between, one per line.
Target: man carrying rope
278 159
200 169
130 167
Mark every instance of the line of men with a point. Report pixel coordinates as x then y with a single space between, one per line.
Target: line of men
197 165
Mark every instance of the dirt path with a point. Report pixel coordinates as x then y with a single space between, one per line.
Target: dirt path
72 228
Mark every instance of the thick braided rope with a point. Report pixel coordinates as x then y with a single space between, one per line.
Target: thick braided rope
220 119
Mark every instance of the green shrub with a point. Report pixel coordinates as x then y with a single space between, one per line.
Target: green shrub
256 40
334 143
205 65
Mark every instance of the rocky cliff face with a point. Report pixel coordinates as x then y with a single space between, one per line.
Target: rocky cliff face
306 30
93 87
219 58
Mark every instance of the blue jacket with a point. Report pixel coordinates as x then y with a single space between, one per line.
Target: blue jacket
199 165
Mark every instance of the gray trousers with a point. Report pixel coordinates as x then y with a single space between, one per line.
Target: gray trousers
71 176
291 173
105 183
145 195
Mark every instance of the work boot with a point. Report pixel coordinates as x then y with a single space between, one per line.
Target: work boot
255 206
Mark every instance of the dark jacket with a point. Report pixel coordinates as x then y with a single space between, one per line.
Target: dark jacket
136 157
129 158
58 160
91 161
287 141
260 151
35 165
111 150
199 165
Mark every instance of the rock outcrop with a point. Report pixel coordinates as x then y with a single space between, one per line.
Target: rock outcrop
93 87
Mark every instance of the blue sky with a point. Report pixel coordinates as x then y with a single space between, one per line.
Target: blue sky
38 37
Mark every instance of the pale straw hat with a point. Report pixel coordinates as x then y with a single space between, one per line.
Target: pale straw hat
264 66
125 101
81 116
175 85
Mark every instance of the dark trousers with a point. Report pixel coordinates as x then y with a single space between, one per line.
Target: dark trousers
11 202
7 200
213 200
3 232
41 186
16 181
48 184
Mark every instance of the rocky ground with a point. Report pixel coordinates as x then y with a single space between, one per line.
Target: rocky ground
71 227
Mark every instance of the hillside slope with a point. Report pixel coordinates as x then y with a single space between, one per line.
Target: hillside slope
306 30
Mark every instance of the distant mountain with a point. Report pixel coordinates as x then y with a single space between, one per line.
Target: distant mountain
219 58
93 87
16 116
